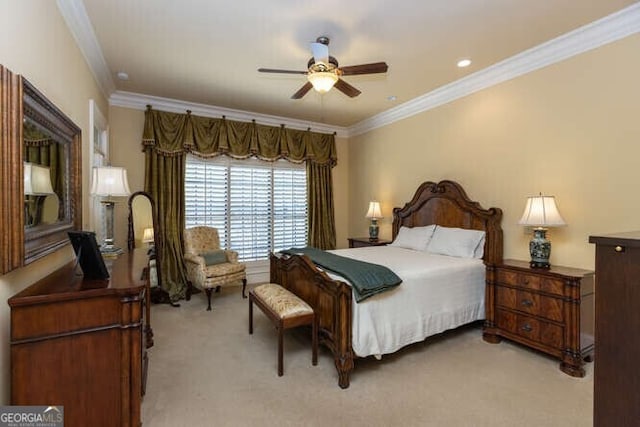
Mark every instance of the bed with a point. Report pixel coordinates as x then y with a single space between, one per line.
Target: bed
444 204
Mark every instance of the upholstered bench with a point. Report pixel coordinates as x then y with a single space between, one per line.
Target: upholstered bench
286 311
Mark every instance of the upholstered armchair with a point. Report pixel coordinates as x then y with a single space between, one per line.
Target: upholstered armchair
208 266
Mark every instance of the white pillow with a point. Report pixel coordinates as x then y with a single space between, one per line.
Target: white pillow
457 242
416 238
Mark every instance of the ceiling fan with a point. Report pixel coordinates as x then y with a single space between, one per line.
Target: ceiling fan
323 71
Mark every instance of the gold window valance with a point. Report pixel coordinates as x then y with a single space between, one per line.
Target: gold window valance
174 133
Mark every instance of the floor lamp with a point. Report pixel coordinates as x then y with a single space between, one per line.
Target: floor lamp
109 181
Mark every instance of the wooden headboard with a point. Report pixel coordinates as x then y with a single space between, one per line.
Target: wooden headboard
445 203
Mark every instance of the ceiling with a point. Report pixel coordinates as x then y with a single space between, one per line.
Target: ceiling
208 52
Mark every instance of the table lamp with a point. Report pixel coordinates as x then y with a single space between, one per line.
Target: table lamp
109 182
541 212
374 214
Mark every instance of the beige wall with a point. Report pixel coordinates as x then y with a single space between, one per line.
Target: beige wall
569 130
126 127
35 42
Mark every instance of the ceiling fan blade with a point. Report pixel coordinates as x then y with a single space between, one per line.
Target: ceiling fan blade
346 88
320 52
302 91
273 70
373 68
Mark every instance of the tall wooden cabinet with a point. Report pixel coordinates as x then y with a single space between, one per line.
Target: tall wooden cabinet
79 344
616 396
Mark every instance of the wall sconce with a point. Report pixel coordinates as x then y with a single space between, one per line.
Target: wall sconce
541 212
374 214
109 182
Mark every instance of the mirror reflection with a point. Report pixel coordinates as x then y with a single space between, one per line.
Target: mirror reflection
142 221
45 164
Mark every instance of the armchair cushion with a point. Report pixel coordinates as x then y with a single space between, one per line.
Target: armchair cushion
214 257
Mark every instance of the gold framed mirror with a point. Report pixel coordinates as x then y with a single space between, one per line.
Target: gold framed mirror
41 174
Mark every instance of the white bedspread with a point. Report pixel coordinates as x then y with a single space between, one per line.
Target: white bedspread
437 293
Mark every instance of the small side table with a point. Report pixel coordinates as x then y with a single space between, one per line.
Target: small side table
360 242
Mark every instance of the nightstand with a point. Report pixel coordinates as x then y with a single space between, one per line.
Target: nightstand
550 310
359 242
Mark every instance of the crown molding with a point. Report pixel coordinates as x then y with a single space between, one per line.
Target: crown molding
138 101
75 15
598 33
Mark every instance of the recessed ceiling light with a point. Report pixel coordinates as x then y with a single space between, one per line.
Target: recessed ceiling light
122 75
464 63
391 98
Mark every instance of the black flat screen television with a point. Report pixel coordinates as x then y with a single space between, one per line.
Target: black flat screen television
88 254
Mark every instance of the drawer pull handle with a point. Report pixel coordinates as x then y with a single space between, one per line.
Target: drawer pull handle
619 249
527 302
527 328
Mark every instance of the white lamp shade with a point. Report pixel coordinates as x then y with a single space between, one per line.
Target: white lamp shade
37 180
374 210
322 81
109 181
147 235
541 211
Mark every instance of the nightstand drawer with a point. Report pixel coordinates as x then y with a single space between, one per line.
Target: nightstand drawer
528 327
531 303
530 281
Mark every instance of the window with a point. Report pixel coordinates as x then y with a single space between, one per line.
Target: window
257 206
98 156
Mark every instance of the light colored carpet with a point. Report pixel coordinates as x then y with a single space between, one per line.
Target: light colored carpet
206 370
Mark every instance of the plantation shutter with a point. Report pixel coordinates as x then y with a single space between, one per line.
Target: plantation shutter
257 206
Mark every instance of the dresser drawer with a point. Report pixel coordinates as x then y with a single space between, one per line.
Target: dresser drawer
528 327
531 281
529 302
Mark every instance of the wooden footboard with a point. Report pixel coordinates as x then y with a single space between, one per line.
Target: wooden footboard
331 301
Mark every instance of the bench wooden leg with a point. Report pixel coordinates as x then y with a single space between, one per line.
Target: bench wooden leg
244 286
280 344
250 314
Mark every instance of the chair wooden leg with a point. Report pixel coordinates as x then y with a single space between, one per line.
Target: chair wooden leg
251 315
280 342
208 291
218 289
244 286
189 290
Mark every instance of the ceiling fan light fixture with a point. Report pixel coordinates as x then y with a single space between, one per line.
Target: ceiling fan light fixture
322 81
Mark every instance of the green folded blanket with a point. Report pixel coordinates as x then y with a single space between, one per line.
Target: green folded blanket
366 279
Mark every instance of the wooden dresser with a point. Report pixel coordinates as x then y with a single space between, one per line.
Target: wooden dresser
550 310
616 393
79 344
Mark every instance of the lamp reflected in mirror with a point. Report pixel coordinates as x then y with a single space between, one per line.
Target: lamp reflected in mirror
37 189
147 236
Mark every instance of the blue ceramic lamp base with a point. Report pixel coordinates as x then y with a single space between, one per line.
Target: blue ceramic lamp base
373 230
540 249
